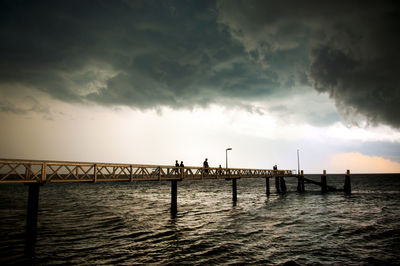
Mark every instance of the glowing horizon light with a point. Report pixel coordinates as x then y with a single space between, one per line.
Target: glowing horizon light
361 163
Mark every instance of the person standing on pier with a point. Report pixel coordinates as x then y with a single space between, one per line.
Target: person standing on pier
176 165
181 165
205 165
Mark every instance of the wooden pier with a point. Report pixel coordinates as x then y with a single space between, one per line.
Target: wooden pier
37 173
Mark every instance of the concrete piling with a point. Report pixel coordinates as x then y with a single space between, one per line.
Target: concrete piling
277 186
324 186
347 183
32 214
174 197
234 190
282 184
300 182
267 186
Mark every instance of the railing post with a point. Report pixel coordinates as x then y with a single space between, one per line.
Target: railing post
28 171
95 173
174 197
347 183
44 173
324 187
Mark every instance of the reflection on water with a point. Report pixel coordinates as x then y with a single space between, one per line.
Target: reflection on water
130 223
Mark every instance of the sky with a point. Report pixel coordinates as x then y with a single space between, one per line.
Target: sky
151 82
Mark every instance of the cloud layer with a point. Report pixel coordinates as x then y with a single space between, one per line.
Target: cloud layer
353 48
147 54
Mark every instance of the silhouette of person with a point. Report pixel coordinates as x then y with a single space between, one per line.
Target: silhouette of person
176 165
205 165
220 170
181 165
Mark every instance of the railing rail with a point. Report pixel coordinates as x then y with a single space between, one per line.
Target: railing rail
34 171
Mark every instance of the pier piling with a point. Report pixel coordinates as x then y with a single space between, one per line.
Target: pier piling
234 190
278 189
282 184
32 214
267 186
324 186
300 182
174 195
347 183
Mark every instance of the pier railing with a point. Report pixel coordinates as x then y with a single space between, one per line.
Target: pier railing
36 173
26 171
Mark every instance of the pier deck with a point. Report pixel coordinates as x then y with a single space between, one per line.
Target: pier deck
36 173
31 171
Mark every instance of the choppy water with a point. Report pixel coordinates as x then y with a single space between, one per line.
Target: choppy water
130 223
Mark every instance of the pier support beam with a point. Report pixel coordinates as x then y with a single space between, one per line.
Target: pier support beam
267 186
174 197
347 183
282 184
324 186
300 182
278 189
234 190
32 214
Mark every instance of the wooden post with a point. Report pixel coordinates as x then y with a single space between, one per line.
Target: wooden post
234 192
278 190
174 196
95 173
267 186
347 183
32 214
324 187
44 173
282 184
298 184
28 171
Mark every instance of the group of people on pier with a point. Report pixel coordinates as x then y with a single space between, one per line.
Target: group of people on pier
205 165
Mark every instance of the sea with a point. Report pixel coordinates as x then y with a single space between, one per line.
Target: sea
131 223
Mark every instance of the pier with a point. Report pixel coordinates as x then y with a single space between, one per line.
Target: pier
35 173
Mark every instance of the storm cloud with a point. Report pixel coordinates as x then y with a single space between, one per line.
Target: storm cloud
353 48
184 54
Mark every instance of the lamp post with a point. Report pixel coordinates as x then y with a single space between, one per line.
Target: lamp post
226 151
298 163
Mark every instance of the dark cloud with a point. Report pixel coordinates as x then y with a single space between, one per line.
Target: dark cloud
135 53
182 54
353 47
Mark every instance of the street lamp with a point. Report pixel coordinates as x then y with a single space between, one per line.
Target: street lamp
226 151
298 162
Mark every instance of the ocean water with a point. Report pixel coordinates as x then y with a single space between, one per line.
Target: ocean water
130 223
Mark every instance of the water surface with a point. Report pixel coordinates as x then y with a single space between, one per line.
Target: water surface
130 223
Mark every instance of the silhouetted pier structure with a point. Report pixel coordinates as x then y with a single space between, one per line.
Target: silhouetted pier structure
36 173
